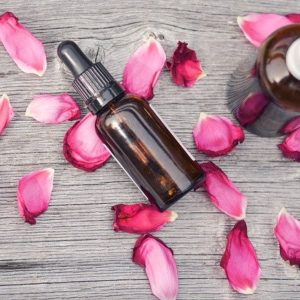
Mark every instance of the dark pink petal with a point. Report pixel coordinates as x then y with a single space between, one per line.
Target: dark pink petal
53 109
140 218
222 191
295 18
34 193
6 112
216 135
257 27
240 261
290 147
83 147
287 232
251 109
185 67
157 258
291 125
23 47
143 69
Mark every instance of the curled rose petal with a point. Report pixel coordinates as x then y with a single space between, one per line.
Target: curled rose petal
34 193
140 218
287 232
216 135
23 47
291 126
222 192
257 27
83 147
185 67
53 109
6 112
157 258
143 69
290 147
240 261
251 109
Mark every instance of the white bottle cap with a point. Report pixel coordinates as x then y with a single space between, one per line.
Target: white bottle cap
293 59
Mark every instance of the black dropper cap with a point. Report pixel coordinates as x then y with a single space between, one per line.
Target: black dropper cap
92 82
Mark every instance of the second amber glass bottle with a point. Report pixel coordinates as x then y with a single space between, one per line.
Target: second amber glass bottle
133 132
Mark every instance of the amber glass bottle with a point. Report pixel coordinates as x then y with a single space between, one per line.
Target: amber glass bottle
133 132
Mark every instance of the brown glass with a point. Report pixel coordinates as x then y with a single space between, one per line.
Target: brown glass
149 153
275 78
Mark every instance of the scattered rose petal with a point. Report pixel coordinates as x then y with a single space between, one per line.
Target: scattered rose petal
291 126
240 261
257 27
23 47
34 193
290 147
143 69
295 18
251 109
53 109
140 218
185 67
222 191
216 135
83 147
287 232
157 258
6 112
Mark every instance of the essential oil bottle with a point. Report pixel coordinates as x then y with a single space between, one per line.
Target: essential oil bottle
133 132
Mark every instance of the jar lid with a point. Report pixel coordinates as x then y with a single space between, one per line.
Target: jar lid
278 66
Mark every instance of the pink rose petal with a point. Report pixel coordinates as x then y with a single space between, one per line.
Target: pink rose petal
6 112
287 232
34 192
290 147
222 191
143 69
185 67
216 135
295 18
157 258
53 109
291 126
251 109
240 261
23 47
140 218
83 147
257 27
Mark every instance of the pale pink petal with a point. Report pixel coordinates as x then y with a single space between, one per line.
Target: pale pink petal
158 260
287 231
23 47
291 126
185 67
53 108
34 193
216 135
222 191
257 27
143 69
6 112
82 146
290 147
140 218
240 261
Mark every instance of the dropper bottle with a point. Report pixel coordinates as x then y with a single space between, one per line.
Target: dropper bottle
133 132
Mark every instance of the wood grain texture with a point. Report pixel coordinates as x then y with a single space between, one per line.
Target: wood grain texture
72 252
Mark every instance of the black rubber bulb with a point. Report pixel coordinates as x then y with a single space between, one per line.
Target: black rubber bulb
73 58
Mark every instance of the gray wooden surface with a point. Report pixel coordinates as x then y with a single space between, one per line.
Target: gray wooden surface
72 252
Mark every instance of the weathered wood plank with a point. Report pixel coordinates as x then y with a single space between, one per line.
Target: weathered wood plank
72 253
